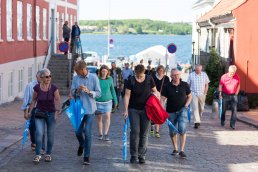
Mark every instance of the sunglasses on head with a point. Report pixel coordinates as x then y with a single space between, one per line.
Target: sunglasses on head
49 76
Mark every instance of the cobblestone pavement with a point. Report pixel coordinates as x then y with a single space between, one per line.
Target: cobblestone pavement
209 148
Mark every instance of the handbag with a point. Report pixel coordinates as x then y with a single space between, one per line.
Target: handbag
40 114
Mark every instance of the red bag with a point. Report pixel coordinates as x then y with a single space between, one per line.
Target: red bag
155 111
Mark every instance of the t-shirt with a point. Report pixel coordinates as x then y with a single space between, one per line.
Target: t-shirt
176 96
140 92
45 99
229 84
158 82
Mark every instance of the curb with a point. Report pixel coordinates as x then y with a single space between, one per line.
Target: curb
246 120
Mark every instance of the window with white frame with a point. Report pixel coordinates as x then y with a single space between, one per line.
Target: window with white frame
19 19
57 26
44 23
71 20
29 21
62 15
29 74
10 84
9 18
1 83
39 66
0 20
38 22
75 18
20 80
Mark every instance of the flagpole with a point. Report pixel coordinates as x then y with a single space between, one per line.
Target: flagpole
108 29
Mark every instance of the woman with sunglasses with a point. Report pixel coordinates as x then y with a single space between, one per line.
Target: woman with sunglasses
47 97
104 103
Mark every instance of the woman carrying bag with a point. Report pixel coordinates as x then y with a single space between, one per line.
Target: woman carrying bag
47 99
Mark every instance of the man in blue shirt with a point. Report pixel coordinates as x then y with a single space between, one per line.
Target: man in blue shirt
86 85
28 92
75 34
126 73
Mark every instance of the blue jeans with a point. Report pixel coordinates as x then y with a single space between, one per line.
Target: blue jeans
140 124
40 130
232 100
85 142
33 130
180 120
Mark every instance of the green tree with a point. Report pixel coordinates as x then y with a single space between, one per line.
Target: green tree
214 70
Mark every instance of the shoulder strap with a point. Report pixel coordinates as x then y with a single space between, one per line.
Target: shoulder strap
162 84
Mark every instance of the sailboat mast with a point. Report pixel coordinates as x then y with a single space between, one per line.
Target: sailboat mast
108 30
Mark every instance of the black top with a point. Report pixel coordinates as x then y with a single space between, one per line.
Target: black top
140 92
176 96
158 82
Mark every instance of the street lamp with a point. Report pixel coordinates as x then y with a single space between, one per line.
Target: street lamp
193 56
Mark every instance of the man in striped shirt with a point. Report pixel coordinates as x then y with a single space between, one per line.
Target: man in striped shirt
199 84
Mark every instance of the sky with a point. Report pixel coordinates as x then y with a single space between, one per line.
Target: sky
165 10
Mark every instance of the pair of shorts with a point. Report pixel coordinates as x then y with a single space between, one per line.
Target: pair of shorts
104 107
179 120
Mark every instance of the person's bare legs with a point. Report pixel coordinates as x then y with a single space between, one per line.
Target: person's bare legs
100 125
174 141
106 122
182 141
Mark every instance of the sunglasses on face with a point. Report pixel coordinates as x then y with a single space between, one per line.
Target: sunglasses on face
49 76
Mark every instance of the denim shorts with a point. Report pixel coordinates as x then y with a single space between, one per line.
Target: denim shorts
103 107
179 120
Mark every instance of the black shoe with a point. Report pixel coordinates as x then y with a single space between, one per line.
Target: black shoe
106 138
141 160
232 126
80 151
133 160
222 123
199 124
86 161
175 152
196 125
183 155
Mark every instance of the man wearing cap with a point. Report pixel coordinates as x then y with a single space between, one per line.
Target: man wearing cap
178 95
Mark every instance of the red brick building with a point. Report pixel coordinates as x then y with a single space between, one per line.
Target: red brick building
30 31
232 29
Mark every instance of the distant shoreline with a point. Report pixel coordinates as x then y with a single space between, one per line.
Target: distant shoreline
105 33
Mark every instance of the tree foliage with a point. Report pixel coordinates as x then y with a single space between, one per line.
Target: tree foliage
141 26
214 70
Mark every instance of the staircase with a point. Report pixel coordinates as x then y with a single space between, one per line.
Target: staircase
59 67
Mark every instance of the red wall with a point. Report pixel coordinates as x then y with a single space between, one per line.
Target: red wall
18 50
73 1
246 45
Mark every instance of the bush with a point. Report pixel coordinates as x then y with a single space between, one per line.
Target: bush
214 70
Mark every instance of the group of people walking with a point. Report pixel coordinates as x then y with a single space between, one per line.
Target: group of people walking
101 94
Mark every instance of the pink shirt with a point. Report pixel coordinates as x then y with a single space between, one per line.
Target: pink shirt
229 85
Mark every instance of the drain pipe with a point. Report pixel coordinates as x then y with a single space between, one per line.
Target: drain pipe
35 31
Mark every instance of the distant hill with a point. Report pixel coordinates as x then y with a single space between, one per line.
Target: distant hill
136 26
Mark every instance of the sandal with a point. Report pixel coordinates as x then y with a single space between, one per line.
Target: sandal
48 158
36 159
33 147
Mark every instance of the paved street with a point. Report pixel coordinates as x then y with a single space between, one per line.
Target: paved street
210 148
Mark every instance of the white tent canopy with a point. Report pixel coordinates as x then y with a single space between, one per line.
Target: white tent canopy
157 55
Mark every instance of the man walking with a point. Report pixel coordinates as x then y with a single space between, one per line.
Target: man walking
199 84
229 87
76 32
178 95
126 73
87 86
116 74
66 33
